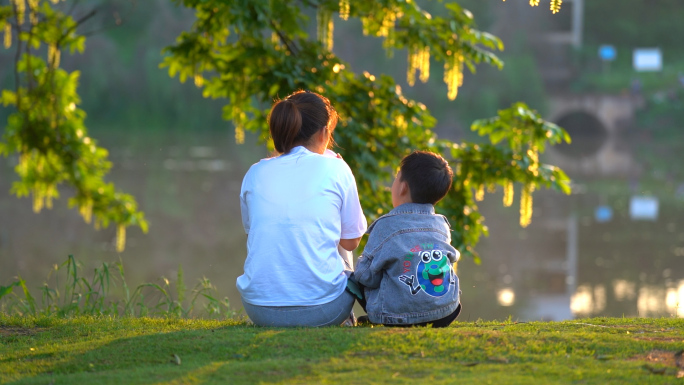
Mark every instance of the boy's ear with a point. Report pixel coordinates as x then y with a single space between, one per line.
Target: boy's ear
404 188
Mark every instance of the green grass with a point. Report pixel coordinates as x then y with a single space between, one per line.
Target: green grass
106 350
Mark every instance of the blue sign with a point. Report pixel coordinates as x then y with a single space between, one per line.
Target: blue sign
603 214
647 59
643 208
607 52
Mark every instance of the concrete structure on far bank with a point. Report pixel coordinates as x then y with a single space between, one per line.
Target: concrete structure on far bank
597 124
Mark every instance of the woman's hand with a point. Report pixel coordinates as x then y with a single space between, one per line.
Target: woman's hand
350 244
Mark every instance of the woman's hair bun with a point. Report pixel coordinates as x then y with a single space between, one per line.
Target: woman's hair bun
295 119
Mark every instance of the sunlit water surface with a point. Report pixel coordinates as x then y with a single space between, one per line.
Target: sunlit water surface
586 254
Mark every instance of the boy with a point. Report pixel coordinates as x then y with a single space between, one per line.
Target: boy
406 266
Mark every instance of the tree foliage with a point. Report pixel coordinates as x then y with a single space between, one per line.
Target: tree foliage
46 129
249 52
252 52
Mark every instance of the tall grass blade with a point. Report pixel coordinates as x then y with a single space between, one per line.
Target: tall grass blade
30 302
49 297
180 286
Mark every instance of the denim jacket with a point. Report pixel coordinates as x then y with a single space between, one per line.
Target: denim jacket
406 267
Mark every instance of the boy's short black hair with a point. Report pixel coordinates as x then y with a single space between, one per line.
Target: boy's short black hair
428 176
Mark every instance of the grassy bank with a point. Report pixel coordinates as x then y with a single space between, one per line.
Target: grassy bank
176 351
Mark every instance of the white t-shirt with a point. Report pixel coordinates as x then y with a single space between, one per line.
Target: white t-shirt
295 209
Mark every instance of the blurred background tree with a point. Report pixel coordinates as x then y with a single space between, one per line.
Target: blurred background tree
46 129
250 53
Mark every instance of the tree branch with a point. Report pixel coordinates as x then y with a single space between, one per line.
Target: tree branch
311 4
119 20
17 57
29 71
78 23
282 38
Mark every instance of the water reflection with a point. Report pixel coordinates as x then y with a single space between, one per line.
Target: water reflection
674 300
506 296
570 262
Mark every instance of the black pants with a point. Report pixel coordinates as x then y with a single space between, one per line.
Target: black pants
440 323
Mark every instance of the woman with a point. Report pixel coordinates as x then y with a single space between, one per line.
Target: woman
296 209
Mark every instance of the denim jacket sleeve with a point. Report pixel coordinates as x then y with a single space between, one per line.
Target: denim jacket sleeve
369 267
369 271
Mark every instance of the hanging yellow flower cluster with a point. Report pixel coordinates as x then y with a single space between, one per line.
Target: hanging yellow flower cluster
453 73
424 64
199 80
120 238
33 4
38 200
555 5
275 40
325 27
43 193
508 194
386 29
54 55
20 6
533 154
8 35
86 210
401 124
42 196
239 134
418 59
23 164
238 121
388 22
526 205
344 9
479 194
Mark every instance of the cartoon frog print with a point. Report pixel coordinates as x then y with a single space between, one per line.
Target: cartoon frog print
433 274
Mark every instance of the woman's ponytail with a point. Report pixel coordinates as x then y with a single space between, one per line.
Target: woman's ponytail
285 124
295 119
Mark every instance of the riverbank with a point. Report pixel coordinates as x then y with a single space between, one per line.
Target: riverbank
180 351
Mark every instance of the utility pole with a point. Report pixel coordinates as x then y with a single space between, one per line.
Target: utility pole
574 35
577 22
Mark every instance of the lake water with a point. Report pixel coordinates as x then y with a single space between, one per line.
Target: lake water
615 247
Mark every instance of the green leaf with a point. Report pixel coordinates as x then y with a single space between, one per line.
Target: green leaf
8 97
273 91
5 290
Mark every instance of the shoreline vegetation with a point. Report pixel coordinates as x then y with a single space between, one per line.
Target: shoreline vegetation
68 292
84 329
116 350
